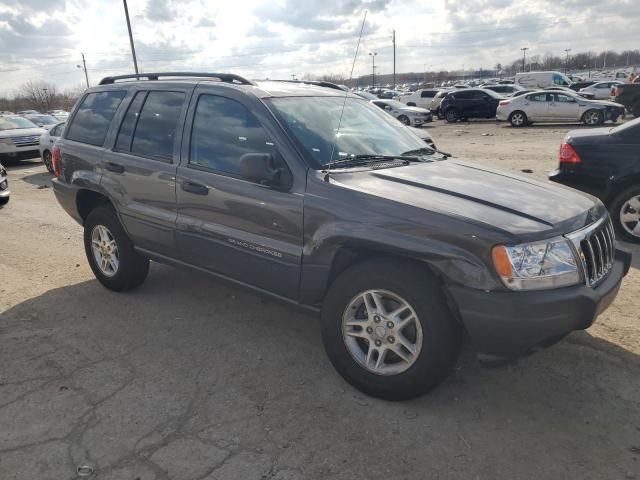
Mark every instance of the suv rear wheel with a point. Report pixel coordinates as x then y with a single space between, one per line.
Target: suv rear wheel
110 252
387 329
625 212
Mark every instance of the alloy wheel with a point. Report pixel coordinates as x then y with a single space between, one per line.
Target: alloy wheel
592 118
105 250
382 332
630 216
517 119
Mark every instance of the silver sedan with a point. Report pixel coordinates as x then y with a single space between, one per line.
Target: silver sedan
546 106
412 116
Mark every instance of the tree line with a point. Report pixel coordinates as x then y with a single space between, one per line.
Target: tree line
40 96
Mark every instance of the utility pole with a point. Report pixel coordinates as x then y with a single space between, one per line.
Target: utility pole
133 49
394 59
373 68
566 63
524 57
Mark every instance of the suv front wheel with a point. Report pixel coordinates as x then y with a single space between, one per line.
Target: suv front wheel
387 329
110 252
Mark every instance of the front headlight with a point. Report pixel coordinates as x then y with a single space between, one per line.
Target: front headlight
536 265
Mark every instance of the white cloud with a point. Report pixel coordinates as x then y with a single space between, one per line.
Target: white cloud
277 38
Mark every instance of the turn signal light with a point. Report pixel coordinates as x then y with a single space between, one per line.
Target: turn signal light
55 161
568 154
501 261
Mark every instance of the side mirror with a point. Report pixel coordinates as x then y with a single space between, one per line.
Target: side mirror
387 108
261 168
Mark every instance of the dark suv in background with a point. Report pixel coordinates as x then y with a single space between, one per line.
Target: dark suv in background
470 103
320 199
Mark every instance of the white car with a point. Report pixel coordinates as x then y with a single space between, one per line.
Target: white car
412 116
42 120
19 138
59 114
601 90
420 98
47 139
541 79
551 106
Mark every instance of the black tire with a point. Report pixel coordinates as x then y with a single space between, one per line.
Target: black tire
595 113
451 115
440 114
46 159
404 119
4 201
132 269
423 292
518 119
635 109
616 209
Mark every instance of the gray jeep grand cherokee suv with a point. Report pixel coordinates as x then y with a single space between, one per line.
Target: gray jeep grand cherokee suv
322 200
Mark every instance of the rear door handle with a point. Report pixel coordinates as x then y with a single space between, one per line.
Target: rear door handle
196 188
114 167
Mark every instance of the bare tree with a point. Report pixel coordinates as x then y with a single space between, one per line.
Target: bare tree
38 94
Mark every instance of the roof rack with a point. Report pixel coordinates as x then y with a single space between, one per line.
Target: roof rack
317 83
223 77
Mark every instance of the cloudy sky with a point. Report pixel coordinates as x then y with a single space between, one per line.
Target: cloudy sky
42 40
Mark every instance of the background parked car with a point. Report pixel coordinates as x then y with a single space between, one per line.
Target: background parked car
548 106
42 120
601 90
605 162
504 89
521 92
19 138
420 98
628 94
47 139
576 86
588 95
25 112
470 103
414 116
59 114
434 105
4 186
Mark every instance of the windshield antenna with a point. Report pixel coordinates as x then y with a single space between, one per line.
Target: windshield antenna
346 94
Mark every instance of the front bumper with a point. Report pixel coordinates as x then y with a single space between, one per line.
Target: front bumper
417 121
507 325
20 154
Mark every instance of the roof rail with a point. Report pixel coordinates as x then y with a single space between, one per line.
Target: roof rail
223 77
317 83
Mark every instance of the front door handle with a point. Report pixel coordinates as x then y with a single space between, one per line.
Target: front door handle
193 187
114 167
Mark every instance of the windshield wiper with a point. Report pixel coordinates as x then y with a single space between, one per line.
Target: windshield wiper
426 151
355 160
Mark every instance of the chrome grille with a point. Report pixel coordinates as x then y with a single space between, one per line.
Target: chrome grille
596 245
25 140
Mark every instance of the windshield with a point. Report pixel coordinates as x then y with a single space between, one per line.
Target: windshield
627 126
10 123
492 93
43 119
365 129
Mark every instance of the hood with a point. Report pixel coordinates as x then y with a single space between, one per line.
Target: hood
414 110
513 204
608 103
21 132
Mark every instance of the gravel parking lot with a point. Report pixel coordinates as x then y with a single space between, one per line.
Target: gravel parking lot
186 378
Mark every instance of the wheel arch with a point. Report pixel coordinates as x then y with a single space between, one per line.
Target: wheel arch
87 200
620 185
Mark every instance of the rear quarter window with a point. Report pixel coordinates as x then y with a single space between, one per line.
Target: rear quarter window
93 118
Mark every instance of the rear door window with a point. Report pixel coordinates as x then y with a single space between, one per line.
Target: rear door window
91 122
154 127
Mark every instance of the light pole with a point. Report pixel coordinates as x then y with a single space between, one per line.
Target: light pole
566 63
46 97
84 67
133 48
524 57
394 59
373 68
